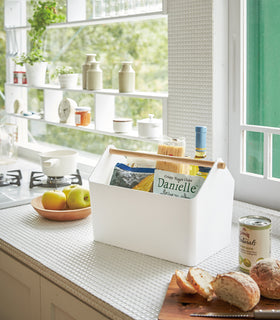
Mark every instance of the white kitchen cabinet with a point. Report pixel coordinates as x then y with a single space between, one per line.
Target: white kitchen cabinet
25 295
60 305
19 290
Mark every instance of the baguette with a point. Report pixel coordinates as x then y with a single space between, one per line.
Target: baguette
266 273
238 289
183 283
201 281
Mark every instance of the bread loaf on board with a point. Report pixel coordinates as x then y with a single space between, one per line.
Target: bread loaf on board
238 289
266 273
183 283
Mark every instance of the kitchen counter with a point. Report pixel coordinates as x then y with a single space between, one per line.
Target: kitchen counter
120 284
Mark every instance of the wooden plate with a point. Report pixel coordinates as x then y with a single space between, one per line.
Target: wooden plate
59 215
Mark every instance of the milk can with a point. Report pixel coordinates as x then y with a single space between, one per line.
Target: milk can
126 77
94 76
89 58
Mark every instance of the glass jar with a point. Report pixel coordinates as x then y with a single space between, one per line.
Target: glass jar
82 116
8 139
172 147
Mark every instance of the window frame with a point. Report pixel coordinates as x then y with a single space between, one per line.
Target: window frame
225 138
260 190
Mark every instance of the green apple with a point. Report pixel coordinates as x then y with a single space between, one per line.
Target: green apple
78 198
67 189
54 200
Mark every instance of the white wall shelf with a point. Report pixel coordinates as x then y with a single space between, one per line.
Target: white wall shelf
112 92
104 107
90 128
99 20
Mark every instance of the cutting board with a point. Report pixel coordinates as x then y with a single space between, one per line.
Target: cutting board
178 305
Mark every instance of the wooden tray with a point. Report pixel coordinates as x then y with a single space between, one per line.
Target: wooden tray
178 305
59 215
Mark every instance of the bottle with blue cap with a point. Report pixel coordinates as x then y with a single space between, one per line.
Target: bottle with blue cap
200 147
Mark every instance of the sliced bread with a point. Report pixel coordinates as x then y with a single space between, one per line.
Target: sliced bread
201 281
183 283
238 289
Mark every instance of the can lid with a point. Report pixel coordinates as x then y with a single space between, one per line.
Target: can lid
82 109
255 221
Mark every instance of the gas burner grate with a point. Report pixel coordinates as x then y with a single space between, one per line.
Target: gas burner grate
12 177
38 179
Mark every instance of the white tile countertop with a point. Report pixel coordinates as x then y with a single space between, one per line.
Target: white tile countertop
119 283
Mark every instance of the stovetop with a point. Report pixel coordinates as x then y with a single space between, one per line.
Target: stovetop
12 195
10 177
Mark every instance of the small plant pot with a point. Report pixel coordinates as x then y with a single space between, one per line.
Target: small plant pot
68 80
36 73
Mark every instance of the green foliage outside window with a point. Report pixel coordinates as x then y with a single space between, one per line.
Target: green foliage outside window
145 43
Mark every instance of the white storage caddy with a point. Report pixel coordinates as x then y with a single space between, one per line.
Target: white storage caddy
185 231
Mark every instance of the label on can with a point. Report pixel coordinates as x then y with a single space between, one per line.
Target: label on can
24 78
254 241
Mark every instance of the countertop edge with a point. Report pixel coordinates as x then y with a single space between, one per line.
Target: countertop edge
65 284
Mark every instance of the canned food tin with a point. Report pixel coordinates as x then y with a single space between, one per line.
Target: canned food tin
254 240
16 76
24 78
20 77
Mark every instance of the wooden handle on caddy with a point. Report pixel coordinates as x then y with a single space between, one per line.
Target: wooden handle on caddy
144 155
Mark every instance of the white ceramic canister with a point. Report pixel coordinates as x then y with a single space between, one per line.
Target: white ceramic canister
126 77
94 76
122 125
149 127
89 58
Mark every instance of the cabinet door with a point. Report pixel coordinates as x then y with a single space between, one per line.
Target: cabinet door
57 304
19 290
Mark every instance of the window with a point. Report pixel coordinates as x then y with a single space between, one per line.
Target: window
246 135
143 42
254 111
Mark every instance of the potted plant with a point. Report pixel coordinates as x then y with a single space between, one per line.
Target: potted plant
66 76
36 66
44 14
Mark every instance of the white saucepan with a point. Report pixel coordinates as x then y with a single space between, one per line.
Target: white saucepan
59 162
